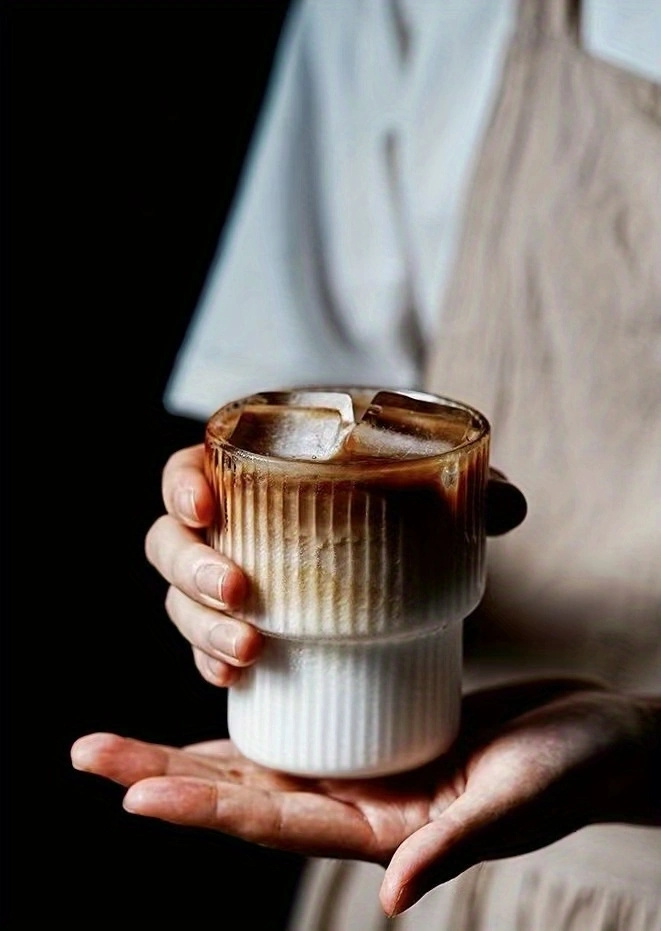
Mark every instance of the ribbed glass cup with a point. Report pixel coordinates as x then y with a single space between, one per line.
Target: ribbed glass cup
361 566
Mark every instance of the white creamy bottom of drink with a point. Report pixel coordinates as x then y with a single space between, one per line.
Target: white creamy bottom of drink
349 709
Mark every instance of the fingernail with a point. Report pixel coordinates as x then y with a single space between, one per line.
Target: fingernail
397 906
184 500
209 580
222 641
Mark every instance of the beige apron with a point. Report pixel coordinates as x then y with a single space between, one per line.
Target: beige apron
552 327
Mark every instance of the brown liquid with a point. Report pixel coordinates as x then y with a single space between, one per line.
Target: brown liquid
351 533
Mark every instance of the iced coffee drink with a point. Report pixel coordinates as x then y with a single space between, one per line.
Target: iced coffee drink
358 517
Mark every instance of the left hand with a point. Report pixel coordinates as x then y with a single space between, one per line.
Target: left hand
535 761
206 589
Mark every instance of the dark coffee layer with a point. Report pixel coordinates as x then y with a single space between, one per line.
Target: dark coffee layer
378 539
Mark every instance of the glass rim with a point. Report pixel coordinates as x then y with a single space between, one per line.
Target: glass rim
343 468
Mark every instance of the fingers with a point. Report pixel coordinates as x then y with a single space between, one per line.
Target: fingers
485 825
305 822
220 642
206 588
539 778
126 761
506 504
434 854
217 788
185 490
197 570
204 585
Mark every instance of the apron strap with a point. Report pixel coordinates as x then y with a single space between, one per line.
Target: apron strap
554 18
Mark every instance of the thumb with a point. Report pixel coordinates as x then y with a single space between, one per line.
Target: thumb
434 854
506 504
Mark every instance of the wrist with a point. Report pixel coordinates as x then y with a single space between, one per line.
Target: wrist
626 768
649 802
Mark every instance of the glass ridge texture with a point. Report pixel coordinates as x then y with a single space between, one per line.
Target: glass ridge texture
358 516
382 538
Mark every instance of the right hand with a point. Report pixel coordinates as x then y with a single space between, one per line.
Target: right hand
206 588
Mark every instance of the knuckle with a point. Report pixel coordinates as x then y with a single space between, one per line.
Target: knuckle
215 671
183 612
172 465
153 538
186 563
172 597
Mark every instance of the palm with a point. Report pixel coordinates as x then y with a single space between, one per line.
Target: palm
213 785
515 781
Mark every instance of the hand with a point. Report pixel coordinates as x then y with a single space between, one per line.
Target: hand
535 761
206 587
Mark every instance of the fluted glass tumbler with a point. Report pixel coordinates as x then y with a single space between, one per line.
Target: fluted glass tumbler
358 517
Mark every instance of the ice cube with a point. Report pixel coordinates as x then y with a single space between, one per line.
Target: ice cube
335 400
309 397
305 433
401 426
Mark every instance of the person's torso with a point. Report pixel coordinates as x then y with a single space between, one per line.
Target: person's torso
551 325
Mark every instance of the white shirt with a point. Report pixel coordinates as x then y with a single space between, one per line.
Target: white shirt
333 261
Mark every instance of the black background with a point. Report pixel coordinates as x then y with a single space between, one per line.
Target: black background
124 129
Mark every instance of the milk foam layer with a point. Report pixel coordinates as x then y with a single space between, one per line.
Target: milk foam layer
355 513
